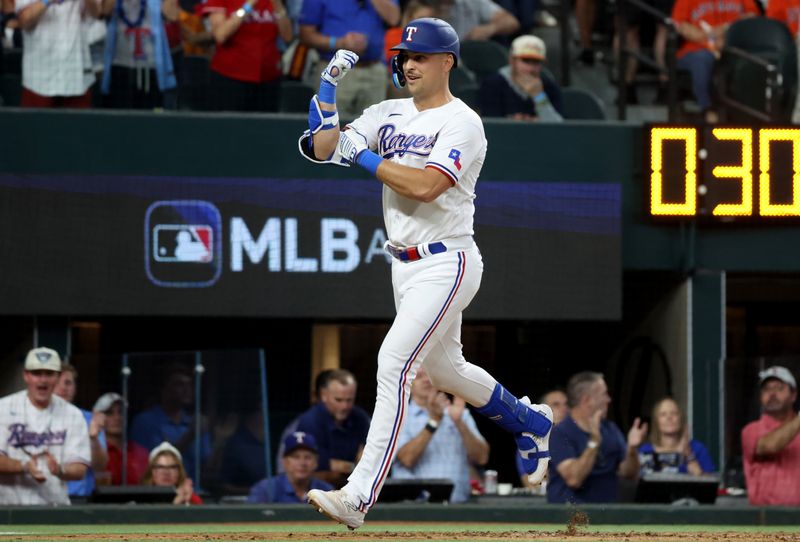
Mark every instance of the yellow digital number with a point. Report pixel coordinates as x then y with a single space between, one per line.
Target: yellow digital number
766 136
744 171
657 137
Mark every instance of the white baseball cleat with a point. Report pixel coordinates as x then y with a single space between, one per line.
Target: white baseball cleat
335 505
535 450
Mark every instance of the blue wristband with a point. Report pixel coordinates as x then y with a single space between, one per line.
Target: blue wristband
247 8
332 43
540 97
46 2
369 161
327 92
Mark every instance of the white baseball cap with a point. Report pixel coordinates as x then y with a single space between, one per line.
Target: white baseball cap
529 46
165 447
780 373
106 401
43 359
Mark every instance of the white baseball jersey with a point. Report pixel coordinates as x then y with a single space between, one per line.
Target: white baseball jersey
24 429
449 139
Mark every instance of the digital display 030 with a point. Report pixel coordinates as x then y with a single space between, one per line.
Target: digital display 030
724 172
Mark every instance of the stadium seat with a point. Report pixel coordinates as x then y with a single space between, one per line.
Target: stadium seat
582 104
469 95
12 61
10 89
195 82
460 77
294 97
483 58
464 86
742 82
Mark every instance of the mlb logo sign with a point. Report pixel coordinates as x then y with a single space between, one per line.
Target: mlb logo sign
183 243
183 246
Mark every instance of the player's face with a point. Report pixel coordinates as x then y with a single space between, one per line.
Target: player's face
300 464
425 73
66 386
777 397
166 470
41 385
557 401
668 417
339 399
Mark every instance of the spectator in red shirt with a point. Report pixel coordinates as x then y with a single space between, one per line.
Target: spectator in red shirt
702 24
111 405
166 470
771 445
246 67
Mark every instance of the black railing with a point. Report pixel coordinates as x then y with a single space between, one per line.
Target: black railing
670 60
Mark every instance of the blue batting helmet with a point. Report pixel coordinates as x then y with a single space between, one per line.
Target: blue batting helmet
426 35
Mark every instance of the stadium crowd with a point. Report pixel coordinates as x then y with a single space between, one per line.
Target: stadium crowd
265 55
52 452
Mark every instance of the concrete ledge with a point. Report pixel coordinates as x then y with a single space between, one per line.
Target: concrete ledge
473 512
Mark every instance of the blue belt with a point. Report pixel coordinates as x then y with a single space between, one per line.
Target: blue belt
412 254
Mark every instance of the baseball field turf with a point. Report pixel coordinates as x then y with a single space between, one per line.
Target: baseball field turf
399 531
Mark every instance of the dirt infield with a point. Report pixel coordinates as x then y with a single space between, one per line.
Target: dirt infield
577 529
581 536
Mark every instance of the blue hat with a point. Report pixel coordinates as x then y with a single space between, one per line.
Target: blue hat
299 439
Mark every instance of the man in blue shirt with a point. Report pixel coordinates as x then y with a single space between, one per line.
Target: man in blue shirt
66 388
339 427
358 26
439 439
170 422
299 463
589 453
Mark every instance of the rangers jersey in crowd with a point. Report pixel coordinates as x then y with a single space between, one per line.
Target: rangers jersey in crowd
26 432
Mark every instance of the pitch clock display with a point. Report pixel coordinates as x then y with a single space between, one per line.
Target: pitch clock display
724 173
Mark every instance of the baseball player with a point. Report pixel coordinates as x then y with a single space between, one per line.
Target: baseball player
427 150
44 441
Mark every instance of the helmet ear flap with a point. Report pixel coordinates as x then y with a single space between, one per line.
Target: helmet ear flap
398 78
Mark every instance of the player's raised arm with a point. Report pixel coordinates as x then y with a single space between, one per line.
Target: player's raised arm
323 120
423 185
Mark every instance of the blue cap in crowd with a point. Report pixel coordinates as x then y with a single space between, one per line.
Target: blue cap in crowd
299 439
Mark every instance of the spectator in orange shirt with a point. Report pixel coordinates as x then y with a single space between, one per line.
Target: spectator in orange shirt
702 24
788 12
771 445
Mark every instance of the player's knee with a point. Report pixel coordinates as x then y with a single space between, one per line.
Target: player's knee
440 376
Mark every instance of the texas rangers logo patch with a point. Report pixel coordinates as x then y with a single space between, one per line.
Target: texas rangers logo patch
410 32
455 156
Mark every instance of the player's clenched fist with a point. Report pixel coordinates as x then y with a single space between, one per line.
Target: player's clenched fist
341 63
351 144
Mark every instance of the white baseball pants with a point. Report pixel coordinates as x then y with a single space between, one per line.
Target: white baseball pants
430 295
